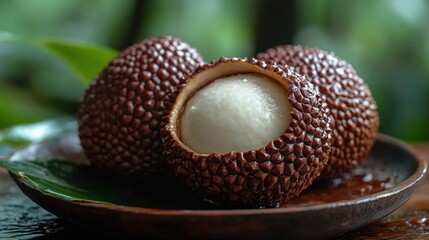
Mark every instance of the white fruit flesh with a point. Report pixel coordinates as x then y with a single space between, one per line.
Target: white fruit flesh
236 113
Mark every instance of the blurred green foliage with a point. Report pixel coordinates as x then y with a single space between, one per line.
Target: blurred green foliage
215 28
387 41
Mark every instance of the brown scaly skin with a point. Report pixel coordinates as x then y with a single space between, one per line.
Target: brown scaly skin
264 177
120 114
353 111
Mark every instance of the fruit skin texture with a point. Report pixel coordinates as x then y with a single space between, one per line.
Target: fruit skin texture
264 177
120 114
353 111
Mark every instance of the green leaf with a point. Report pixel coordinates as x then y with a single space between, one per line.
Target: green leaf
69 181
76 182
85 59
37 165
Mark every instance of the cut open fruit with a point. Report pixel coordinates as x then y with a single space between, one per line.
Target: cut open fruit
235 113
248 170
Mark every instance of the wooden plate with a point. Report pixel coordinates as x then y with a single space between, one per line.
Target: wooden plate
167 210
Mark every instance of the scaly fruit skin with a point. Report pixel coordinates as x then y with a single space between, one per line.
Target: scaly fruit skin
352 108
265 177
121 110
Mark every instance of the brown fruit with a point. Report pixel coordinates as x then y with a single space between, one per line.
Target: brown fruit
352 108
121 110
265 176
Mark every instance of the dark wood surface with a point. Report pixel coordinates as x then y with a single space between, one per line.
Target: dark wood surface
20 218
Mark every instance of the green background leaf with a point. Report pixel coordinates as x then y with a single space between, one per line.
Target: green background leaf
85 59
